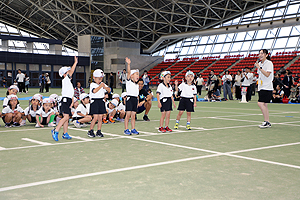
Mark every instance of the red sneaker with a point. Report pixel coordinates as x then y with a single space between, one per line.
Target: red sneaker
162 130
168 129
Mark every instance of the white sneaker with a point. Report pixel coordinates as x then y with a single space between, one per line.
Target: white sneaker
51 124
23 123
37 125
76 123
265 125
83 125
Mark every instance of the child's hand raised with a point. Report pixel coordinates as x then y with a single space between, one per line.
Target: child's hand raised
75 59
176 82
127 60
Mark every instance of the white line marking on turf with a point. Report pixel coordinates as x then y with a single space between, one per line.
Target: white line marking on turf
36 141
80 138
230 119
148 133
2 148
20 130
103 172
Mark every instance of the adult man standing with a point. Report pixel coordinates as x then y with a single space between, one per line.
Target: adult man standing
111 82
42 82
227 78
20 79
145 102
123 77
246 82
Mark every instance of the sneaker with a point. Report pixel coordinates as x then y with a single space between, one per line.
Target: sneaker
145 118
111 121
134 131
118 119
265 125
127 132
104 121
23 123
15 124
37 125
76 124
121 120
99 134
90 133
176 125
162 130
7 125
66 136
83 125
51 124
188 127
168 129
54 135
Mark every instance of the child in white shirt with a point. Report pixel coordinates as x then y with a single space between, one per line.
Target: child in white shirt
11 90
12 113
31 110
44 114
81 114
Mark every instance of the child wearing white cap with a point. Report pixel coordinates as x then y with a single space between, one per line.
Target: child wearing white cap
187 99
30 111
97 106
12 113
44 114
132 89
111 109
11 90
81 114
66 102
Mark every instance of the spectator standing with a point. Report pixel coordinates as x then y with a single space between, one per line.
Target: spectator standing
111 82
4 81
27 82
219 82
47 82
278 94
277 81
123 77
42 82
237 84
227 78
246 82
200 82
212 81
21 81
146 80
78 90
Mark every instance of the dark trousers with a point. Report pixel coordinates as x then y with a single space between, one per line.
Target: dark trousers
47 87
111 87
199 88
123 87
238 94
248 95
21 86
42 87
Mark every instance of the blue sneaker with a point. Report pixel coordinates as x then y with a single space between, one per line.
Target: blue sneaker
127 132
66 136
54 135
134 131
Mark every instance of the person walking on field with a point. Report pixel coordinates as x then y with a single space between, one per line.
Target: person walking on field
20 79
42 82
27 82
227 78
111 81
47 82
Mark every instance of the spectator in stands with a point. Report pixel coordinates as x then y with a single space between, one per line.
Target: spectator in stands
219 83
47 82
111 82
246 82
21 81
293 92
42 82
145 100
277 81
146 80
278 94
4 81
237 85
296 78
212 81
199 83
122 78
27 82
78 90
227 78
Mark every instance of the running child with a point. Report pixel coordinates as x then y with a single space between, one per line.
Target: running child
11 90
12 113
45 114
132 89
67 95
164 93
97 107
81 114
187 99
31 110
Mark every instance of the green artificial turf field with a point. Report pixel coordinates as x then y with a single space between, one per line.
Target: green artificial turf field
224 156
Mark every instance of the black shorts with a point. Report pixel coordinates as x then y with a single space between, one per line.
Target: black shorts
77 118
166 104
141 109
131 104
186 104
97 107
264 96
65 106
44 121
33 119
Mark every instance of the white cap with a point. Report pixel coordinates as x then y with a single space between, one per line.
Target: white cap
189 73
53 96
11 97
133 71
83 96
98 73
37 97
124 94
63 70
114 102
13 87
75 99
47 100
116 96
164 73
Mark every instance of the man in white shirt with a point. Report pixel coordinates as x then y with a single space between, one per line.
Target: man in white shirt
246 82
227 78
200 82
123 77
21 80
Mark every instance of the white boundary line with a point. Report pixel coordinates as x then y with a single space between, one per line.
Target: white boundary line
2 148
81 138
20 130
35 141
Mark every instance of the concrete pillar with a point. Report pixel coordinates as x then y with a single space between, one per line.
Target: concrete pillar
55 49
84 49
4 46
29 47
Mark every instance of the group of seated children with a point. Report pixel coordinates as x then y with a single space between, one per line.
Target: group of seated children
46 112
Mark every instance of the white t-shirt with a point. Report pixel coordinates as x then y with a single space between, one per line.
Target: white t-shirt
164 91
265 83
247 82
200 81
187 91
29 111
98 95
132 88
20 77
67 89
226 76
7 109
41 112
5 102
83 109
108 109
121 106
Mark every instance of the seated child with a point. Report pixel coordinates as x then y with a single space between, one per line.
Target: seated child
111 109
30 111
81 114
12 113
121 108
45 115
11 90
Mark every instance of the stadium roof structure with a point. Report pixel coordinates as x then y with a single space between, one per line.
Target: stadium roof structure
143 21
